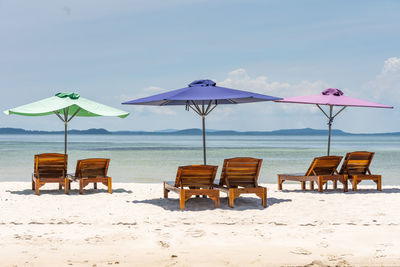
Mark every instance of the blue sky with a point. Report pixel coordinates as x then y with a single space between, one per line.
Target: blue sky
114 51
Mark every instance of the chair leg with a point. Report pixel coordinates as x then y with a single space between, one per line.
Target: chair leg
182 199
335 184
355 183
303 185
60 186
66 186
33 184
320 185
81 186
215 198
165 191
264 197
379 184
231 197
312 185
94 185
345 185
109 185
37 187
280 182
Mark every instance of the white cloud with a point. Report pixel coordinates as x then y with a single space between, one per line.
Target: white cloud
386 85
241 79
391 65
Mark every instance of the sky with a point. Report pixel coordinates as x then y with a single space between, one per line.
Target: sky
115 51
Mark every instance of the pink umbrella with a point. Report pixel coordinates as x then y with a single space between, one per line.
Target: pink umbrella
332 97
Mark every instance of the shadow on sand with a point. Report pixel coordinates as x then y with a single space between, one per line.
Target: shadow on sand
199 204
71 192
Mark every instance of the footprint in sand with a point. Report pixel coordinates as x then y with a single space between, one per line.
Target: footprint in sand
301 251
195 232
334 258
379 253
163 244
323 245
327 231
94 239
278 223
23 237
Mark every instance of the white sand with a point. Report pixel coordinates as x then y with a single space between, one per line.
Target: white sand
135 226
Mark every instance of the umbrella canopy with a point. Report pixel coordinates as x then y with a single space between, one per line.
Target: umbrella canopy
66 106
332 97
200 92
202 96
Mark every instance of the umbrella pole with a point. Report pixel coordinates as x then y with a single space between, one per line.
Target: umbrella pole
203 118
65 137
65 130
330 128
203 112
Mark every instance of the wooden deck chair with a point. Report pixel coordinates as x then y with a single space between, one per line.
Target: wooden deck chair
240 176
50 168
356 166
321 170
194 180
92 171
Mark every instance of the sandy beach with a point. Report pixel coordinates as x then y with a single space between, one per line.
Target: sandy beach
135 226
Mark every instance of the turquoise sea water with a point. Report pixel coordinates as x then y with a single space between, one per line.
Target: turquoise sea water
147 158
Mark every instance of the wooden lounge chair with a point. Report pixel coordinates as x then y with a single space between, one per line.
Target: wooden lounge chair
92 171
240 176
194 180
321 170
50 168
356 166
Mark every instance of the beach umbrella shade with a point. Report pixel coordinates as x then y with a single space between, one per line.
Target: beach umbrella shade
66 106
331 97
202 96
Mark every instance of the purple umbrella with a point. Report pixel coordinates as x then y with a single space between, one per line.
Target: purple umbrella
332 97
202 96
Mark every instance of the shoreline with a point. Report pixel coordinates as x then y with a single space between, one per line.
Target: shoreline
136 226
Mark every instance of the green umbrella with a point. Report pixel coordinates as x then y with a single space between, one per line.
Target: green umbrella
66 106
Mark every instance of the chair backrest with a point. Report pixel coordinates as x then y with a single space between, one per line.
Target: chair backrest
89 168
357 163
240 172
326 165
50 165
202 176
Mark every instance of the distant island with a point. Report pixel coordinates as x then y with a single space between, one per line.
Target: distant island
305 131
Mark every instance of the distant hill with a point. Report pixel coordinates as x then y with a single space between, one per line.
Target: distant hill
194 131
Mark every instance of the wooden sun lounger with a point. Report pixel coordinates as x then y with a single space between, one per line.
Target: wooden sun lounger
194 180
50 168
356 166
321 170
92 171
240 176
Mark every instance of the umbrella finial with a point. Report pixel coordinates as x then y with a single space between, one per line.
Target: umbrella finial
202 83
332 91
72 96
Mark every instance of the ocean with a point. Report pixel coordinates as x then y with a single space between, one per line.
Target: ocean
155 158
